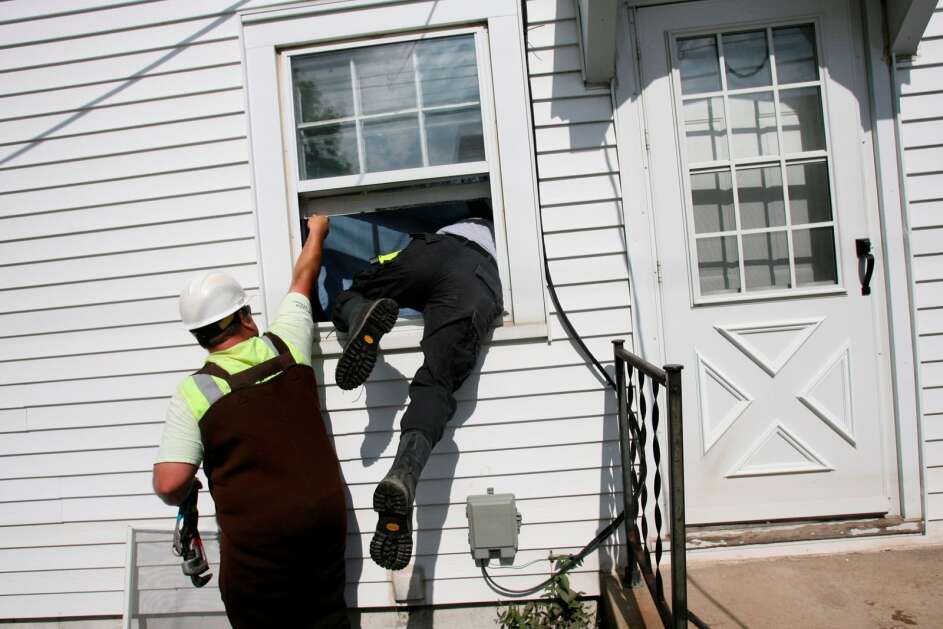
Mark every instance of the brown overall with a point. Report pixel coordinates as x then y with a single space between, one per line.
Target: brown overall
279 496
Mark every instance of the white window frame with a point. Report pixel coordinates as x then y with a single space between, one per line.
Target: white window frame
782 160
266 36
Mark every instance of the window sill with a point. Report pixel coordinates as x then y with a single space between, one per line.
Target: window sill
408 336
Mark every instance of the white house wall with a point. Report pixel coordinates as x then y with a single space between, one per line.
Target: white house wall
919 81
124 169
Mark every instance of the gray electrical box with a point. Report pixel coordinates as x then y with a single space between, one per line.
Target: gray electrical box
493 525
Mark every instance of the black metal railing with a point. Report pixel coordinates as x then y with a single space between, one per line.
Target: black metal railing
640 446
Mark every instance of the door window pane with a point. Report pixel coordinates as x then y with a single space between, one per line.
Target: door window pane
386 77
746 58
815 256
706 129
323 88
454 136
753 123
760 192
448 71
809 200
329 150
766 261
698 64
801 112
718 265
392 143
795 54
712 194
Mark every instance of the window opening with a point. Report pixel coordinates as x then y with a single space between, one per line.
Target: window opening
757 161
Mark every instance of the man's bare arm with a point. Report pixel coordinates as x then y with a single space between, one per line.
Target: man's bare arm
308 264
172 481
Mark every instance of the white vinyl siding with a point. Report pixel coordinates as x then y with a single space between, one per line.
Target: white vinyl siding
124 168
919 81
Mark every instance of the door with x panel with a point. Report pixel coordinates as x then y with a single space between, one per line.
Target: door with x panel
760 194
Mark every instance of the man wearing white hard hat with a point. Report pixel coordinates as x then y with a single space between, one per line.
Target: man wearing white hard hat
252 417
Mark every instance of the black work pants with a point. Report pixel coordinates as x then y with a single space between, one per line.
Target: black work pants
457 287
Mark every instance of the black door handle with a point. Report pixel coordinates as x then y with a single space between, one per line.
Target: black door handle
865 264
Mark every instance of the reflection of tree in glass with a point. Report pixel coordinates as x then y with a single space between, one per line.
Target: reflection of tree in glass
324 155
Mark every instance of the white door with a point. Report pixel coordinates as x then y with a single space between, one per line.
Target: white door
755 129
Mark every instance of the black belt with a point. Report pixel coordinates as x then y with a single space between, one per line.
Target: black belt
471 244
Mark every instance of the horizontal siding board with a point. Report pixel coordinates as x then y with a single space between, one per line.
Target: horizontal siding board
126 66
924 160
61 581
933 426
546 10
184 107
584 243
592 296
551 34
116 290
237 251
573 111
75 486
551 60
928 241
12 419
97 414
926 214
18 10
595 269
935 480
224 177
925 187
74 439
933 403
930 347
928 268
171 134
124 91
935 26
930 321
919 107
578 163
580 189
921 79
36 324
76 604
166 235
923 133
562 85
141 164
576 136
584 216
128 214
928 295
933 452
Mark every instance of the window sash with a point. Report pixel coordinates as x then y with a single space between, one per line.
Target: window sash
366 180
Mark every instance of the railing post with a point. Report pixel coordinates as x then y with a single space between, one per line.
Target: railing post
627 493
679 576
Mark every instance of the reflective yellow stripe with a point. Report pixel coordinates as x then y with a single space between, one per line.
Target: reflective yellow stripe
387 257
194 397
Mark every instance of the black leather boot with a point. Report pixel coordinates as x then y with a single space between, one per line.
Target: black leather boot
392 544
366 322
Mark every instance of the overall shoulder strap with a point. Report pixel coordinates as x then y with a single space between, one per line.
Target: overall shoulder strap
263 370
205 383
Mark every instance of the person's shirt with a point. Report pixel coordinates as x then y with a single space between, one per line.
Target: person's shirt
181 442
478 230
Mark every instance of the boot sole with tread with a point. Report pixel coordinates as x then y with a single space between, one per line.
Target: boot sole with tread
360 355
392 543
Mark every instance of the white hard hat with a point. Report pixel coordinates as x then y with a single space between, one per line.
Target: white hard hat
210 297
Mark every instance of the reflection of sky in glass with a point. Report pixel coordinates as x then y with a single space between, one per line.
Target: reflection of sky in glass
448 70
354 240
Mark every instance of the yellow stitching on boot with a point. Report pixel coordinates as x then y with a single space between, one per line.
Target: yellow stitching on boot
392 527
368 339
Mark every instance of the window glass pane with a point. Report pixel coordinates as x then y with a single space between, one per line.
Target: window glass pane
718 265
699 66
392 143
766 261
706 129
712 194
328 151
809 200
815 256
454 136
753 123
760 192
386 78
448 70
795 54
322 86
801 113
747 60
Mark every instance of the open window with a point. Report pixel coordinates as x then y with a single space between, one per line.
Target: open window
392 120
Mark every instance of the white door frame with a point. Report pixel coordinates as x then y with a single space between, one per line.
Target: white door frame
880 149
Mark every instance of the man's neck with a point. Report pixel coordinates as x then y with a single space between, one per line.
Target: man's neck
231 341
